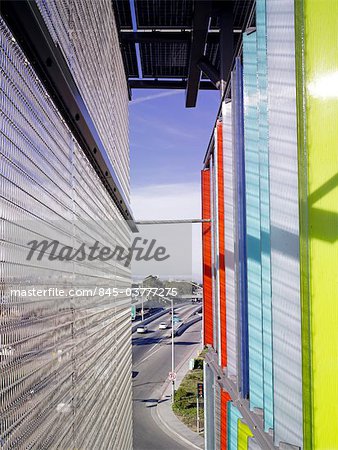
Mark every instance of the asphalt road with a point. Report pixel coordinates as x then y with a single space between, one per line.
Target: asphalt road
151 364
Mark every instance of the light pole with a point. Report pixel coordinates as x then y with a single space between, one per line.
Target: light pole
172 352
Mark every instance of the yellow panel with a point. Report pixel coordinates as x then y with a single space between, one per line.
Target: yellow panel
319 164
244 433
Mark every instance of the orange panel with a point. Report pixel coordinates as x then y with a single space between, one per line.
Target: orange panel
225 398
222 302
207 251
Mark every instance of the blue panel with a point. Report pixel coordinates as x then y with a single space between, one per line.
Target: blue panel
233 416
265 211
252 185
241 258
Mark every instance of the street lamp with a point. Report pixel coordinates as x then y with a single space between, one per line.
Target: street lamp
172 352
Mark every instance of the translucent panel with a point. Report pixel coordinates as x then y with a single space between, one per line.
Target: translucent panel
317 69
283 168
265 211
229 216
233 416
209 407
240 213
253 232
244 433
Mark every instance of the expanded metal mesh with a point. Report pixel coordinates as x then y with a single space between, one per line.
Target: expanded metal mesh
87 35
65 361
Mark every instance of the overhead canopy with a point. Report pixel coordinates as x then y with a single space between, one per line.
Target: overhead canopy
166 44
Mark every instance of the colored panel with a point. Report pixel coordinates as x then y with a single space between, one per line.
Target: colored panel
240 211
264 212
244 433
284 217
233 416
317 69
207 262
229 216
220 256
225 397
252 185
215 261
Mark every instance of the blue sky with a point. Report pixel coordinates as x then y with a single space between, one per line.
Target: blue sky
167 140
168 143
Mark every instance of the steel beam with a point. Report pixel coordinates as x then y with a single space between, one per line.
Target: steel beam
202 10
167 84
226 43
29 29
140 37
210 71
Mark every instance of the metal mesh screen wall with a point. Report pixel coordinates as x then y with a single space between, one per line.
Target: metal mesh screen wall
87 35
65 361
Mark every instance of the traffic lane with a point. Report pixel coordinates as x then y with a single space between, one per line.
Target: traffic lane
149 376
143 343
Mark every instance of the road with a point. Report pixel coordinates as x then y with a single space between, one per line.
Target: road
151 364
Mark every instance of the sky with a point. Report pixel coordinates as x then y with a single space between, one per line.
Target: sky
168 143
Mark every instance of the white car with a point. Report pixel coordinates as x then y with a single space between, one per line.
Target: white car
142 329
163 326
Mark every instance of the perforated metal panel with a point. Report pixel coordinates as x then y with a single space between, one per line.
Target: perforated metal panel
65 360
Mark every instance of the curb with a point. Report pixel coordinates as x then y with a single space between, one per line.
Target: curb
164 389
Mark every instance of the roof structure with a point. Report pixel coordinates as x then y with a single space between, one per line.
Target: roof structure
180 44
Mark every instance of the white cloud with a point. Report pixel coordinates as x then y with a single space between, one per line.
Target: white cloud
149 98
172 201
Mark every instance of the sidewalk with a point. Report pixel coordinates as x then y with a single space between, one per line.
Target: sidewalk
166 416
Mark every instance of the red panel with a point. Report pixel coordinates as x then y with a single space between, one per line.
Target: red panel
225 398
207 273
222 300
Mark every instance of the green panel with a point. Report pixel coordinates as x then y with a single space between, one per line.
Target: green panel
244 433
317 96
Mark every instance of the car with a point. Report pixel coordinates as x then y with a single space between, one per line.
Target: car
177 319
142 329
163 326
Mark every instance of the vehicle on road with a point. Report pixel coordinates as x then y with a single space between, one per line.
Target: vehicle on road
177 319
163 326
142 329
